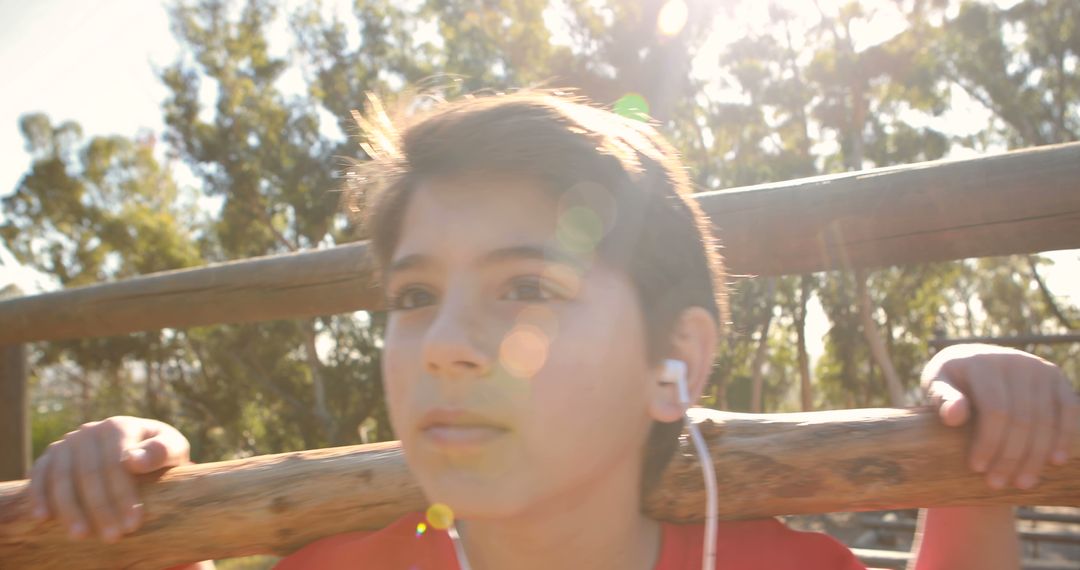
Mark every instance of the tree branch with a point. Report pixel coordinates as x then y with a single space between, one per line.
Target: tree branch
761 353
877 344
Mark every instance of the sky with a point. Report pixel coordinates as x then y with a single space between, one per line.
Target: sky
94 62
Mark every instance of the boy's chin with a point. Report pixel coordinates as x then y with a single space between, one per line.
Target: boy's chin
472 497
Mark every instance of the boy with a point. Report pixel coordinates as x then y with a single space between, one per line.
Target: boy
541 259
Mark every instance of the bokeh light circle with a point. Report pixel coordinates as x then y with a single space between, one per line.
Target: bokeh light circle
524 351
440 516
672 17
579 229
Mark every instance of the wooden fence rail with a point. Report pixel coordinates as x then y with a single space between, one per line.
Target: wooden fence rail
767 464
1017 202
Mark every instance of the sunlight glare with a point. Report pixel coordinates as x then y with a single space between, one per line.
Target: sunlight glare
672 18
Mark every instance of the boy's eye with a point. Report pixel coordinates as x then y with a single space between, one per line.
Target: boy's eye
410 298
530 288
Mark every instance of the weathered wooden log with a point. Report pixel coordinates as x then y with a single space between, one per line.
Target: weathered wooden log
931 211
767 464
296 285
1018 202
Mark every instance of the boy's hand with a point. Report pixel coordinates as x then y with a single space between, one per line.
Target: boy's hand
87 478
1026 410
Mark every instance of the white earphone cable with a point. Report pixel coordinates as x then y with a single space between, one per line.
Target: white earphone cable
708 557
675 370
459 549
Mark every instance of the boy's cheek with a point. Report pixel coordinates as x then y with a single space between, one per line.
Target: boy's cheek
397 386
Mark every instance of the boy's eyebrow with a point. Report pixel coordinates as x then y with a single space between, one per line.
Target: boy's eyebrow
501 255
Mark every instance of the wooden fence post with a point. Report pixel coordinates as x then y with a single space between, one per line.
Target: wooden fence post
14 413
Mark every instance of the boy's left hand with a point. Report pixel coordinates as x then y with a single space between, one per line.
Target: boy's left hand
1025 409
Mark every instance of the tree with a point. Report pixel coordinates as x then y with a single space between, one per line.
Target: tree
87 212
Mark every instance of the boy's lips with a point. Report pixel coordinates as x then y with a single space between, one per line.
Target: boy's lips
451 427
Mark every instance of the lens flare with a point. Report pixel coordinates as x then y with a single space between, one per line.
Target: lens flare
579 229
672 18
439 516
596 197
587 213
541 317
421 528
524 351
632 106
568 278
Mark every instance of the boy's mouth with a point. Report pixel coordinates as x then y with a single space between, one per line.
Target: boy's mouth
459 427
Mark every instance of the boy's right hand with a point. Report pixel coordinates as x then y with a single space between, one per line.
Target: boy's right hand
87 479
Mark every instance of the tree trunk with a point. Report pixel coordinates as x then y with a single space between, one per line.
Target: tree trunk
15 445
329 427
877 344
769 465
969 311
762 351
806 396
151 367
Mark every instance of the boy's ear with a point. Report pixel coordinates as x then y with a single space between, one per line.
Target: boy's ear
693 341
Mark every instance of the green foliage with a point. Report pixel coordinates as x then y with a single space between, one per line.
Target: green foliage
95 212
1021 64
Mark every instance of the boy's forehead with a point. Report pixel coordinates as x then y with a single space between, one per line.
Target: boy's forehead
487 214
478 212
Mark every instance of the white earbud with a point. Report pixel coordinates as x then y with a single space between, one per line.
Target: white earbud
675 373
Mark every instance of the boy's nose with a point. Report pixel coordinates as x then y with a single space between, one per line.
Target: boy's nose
453 347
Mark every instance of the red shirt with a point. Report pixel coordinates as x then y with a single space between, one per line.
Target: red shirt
748 545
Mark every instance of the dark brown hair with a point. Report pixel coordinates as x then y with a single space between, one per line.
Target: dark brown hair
658 234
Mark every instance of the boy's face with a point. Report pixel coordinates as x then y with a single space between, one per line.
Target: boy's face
515 371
